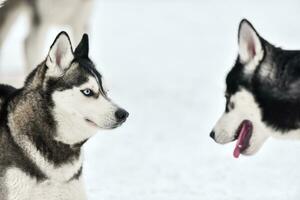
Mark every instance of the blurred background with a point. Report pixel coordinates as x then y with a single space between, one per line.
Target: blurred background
165 62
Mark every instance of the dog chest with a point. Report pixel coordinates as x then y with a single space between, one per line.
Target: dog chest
20 186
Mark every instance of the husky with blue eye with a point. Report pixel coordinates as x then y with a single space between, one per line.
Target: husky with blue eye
44 125
262 94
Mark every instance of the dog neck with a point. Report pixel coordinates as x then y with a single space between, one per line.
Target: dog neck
33 129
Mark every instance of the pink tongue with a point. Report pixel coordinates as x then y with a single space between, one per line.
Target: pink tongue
244 134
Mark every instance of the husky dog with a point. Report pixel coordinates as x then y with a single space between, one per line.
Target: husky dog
43 14
44 125
262 94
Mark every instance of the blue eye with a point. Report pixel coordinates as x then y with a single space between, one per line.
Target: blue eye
87 92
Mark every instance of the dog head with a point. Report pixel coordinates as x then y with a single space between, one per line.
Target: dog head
79 100
262 95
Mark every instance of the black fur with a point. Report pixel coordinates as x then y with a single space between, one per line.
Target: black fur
278 94
77 175
35 102
11 155
82 50
6 90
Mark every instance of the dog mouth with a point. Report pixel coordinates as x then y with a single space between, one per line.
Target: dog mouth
91 123
243 136
114 126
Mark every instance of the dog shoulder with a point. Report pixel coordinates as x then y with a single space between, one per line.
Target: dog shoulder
6 90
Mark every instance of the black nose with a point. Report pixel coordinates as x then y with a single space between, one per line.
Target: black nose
212 135
121 115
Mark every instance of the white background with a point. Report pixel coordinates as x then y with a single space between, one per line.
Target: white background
166 63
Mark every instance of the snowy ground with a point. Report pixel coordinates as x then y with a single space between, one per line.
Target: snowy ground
166 62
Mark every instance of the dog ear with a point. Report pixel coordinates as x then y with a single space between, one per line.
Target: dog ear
82 50
60 55
249 42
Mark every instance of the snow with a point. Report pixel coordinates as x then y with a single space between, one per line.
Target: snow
165 62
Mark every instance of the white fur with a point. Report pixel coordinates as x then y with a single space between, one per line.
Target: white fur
71 115
58 185
267 71
62 173
70 111
249 44
60 56
22 187
253 63
245 107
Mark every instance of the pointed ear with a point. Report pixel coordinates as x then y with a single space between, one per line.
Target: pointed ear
82 50
249 42
60 55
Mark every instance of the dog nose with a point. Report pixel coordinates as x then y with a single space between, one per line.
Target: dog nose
121 115
212 135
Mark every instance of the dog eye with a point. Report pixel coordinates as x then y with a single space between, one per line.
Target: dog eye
87 92
231 105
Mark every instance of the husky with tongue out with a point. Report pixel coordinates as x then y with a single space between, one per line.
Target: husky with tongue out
262 94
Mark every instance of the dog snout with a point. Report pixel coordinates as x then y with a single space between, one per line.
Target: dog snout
212 135
121 115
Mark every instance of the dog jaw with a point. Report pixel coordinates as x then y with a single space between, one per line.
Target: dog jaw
245 108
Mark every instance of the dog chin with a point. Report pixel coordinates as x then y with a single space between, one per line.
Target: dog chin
250 151
114 126
104 127
224 139
253 148
255 143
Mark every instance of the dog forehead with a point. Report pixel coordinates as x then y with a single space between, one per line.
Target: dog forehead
85 69
91 83
233 81
243 95
237 79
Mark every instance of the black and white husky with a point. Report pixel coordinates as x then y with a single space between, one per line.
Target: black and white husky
43 14
262 94
44 125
